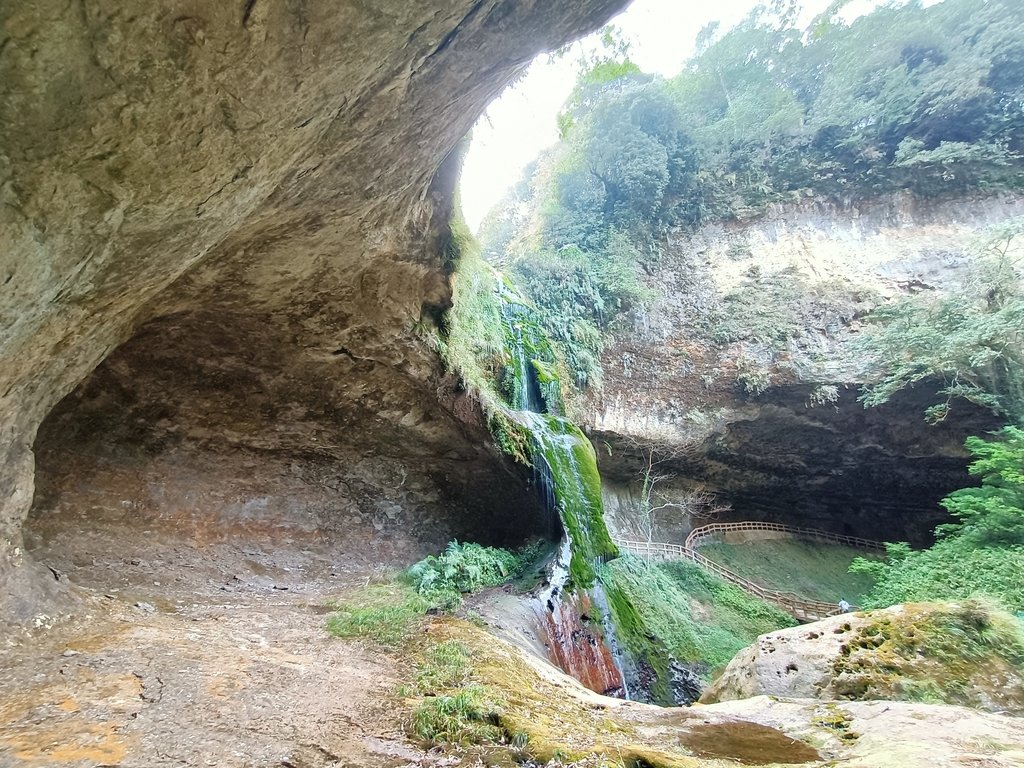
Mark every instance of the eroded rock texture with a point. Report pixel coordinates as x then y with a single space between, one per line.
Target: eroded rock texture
946 652
755 399
255 194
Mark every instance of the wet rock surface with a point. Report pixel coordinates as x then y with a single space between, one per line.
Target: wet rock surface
196 648
224 684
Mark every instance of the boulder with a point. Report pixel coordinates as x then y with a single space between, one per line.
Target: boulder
965 653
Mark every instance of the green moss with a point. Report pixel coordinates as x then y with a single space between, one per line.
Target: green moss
540 721
835 720
576 486
532 361
645 649
967 653
654 609
383 613
499 349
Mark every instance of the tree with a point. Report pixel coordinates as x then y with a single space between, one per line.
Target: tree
983 553
972 340
657 507
992 514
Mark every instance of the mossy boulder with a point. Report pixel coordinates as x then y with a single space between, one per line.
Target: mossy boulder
535 715
967 653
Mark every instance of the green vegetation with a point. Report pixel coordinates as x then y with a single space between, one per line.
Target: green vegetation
967 653
532 379
813 570
464 717
903 98
578 297
677 610
453 708
472 343
499 349
575 483
389 611
992 515
983 554
465 568
385 613
763 308
948 570
971 339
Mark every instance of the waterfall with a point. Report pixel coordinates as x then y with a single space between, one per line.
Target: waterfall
572 612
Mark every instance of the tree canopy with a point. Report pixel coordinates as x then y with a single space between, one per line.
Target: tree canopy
971 339
904 98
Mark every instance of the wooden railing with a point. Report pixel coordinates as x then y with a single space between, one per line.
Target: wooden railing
796 606
700 536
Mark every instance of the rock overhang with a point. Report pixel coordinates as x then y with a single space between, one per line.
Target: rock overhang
270 182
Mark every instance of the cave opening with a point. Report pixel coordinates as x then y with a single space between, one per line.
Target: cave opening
211 448
876 473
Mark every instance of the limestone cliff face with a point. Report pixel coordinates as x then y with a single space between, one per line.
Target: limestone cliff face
254 197
742 360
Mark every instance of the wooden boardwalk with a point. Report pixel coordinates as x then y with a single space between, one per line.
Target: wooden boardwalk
800 608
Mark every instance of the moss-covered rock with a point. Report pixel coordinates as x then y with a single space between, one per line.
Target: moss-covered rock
679 624
534 715
966 653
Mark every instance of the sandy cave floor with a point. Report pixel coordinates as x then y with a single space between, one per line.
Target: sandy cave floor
196 651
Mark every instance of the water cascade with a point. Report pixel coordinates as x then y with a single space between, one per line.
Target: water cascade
572 614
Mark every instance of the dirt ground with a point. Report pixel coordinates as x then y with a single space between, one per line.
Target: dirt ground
207 648
196 650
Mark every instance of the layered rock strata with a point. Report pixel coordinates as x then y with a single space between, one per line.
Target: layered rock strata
740 379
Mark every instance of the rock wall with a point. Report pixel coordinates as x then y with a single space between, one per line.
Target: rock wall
252 184
748 419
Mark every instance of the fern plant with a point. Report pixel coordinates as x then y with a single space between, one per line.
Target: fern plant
466 568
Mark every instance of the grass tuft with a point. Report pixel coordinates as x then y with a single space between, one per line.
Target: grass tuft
464 718
384 613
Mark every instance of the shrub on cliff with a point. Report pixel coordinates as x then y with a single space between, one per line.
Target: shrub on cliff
971 339
982 554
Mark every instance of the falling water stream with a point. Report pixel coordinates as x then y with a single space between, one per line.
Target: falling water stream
572 611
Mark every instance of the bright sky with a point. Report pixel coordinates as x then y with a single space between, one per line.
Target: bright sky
521 122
